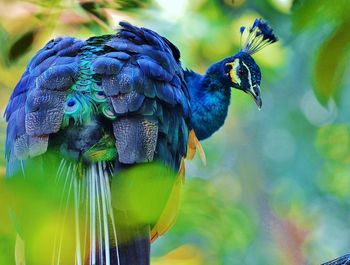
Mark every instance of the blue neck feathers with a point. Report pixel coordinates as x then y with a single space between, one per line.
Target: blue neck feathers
210 97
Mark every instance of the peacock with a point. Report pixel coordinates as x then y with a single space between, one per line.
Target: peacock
110 110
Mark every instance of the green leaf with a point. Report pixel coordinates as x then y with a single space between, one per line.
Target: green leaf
304 13
94 9
331 64
21 45
317 13
128 5
142 191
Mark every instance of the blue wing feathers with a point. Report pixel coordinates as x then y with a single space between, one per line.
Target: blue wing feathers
44 122
165 119
36 105
17 119
154 70
149 69
61 61
155 59
154 39
149 87
148 108
127 26
124 46
165 92
106 65
182 100
72 50
21 87
60 77
40 57
41 67
125 34
63 43
16 130
53 47
129 79
139 72
110 86
127 102
41 100
118 55
14 104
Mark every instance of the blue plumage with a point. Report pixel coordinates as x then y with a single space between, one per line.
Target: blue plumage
118 55
265 30
130 102
117 100
165 92
214 94
107 66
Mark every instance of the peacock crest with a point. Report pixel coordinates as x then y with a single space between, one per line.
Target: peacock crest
259 36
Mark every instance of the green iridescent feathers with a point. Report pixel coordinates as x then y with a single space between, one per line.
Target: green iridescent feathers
86 97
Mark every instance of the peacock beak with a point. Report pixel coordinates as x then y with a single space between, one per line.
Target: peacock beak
254 91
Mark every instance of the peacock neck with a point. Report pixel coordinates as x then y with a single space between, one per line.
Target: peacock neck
209 97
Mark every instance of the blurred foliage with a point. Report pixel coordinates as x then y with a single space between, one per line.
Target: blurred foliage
186 254
31 208
332 55
276 188
144 191
334 51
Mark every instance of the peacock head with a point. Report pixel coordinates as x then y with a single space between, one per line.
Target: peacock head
241 70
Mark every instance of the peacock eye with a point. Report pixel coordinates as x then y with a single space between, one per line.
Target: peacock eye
240 71
71 107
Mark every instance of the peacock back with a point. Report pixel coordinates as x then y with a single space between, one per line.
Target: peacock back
100 107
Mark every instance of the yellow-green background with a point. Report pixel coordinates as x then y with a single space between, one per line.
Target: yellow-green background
276 189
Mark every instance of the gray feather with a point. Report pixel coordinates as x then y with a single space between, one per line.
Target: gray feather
128 102
136 139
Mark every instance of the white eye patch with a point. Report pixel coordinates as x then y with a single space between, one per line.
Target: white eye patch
233 72
249 75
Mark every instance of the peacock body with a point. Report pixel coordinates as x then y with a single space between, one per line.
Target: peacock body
104 105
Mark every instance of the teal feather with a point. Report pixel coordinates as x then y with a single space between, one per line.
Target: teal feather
78 108
86 97
107 111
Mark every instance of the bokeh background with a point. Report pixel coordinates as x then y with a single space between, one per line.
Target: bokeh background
276 188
